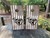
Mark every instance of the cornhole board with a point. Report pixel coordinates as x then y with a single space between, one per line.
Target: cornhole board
32 16
17 17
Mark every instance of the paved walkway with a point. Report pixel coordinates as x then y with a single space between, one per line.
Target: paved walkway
6 32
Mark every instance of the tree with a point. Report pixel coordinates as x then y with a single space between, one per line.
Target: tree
7 8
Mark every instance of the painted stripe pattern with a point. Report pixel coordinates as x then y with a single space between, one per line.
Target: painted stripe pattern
31 16
17 16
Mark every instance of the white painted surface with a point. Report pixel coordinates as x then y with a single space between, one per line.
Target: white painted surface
17 15
31 15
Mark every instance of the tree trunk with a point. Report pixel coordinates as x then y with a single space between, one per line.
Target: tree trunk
48 6
7 3
45 6
48 9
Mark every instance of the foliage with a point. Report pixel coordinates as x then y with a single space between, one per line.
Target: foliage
23 2
43 22
24 15
48 28
6 7
29 2
0 1
18 2
37 2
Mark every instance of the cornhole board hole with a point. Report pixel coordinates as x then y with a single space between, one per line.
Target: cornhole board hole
17 17
32 16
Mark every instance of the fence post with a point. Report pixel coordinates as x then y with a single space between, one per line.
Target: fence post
2 19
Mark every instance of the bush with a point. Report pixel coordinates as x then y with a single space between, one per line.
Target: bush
48 29
43 22
40 21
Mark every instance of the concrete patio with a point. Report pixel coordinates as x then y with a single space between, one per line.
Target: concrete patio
7 32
